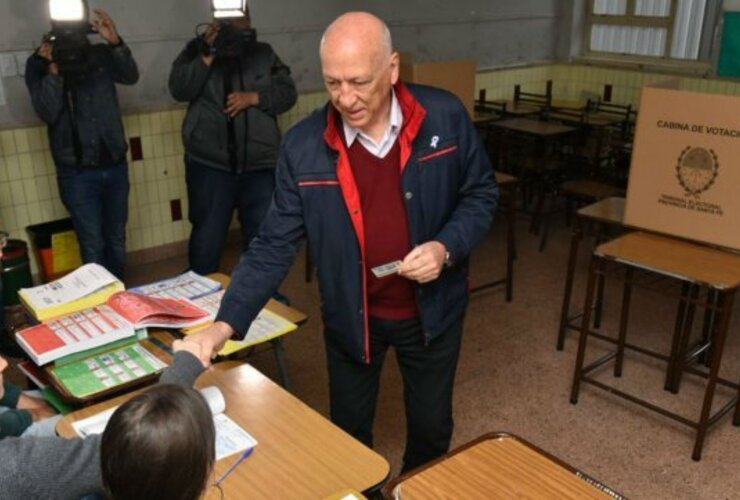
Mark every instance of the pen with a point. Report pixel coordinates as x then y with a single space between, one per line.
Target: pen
239 460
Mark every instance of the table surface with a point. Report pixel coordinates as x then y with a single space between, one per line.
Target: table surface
498 466
608 210
300 453
670 256
534 127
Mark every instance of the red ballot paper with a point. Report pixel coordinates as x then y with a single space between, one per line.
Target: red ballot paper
117 319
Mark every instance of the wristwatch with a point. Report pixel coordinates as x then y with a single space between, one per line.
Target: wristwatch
448 261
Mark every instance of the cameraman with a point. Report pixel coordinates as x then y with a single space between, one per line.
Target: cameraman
236 87
80 106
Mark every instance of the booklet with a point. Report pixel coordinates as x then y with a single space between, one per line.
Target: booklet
117 319
189 285
266 326
87 286
231 438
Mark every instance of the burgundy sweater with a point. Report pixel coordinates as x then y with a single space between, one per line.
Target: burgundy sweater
386 230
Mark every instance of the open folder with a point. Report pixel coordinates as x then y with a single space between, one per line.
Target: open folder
230 437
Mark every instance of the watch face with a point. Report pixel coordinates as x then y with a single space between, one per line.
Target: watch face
697 169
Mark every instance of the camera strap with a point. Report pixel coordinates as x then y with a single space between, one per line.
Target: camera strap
228 77
76 143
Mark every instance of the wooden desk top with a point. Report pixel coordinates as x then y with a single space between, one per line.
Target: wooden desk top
589 119
608 210
300 453
681 259
534 127
481 117
498 466
521 109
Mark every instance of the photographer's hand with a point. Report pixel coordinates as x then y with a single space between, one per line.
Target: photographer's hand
45 51
105 27
210 38
239 101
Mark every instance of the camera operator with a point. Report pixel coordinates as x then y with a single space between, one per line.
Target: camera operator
80 107
236 86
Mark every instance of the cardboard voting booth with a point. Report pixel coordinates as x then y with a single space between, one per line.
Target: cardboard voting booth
456 76
685 173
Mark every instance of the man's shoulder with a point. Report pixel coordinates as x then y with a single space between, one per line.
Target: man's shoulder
435 99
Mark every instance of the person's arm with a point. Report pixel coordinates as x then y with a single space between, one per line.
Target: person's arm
262 267
469 223
477 196
47 467
122 65
45 85
191 68
279 94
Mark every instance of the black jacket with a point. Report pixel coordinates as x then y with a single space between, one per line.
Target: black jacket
205 129
97 116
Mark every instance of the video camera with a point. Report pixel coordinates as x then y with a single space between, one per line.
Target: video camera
68 36
232 41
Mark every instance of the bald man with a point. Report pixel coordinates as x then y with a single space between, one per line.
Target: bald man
391 185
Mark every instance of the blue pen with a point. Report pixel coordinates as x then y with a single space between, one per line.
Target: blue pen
239 460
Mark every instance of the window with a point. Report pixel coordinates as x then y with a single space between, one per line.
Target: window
669 29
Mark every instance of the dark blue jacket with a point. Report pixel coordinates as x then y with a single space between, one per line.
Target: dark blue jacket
451 196
96 112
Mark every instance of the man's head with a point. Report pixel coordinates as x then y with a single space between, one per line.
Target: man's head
359 68
159 445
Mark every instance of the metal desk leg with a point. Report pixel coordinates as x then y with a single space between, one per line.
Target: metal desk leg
623 319
683 348
279 350
680 319
725 311
575 241
596 267
510 243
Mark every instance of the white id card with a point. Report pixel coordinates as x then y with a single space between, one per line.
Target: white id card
386 269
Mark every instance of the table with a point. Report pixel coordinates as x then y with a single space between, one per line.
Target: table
605 213
696 267
506 183
300 453
540 174
497 465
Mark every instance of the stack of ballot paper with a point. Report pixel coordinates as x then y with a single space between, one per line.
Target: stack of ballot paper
88 286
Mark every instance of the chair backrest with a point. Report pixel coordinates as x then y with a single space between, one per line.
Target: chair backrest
624 112
543 100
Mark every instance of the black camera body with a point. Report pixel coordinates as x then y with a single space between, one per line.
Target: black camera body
232 41
70 46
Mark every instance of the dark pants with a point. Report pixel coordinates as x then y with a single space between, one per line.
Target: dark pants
97 200
428 374
213 195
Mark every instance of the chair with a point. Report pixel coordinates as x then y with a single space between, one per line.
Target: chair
544 101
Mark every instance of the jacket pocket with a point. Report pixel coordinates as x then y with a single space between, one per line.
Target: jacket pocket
436 154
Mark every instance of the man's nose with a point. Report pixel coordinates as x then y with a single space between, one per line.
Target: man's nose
346 95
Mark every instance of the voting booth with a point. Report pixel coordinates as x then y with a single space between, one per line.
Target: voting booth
685 173
457 76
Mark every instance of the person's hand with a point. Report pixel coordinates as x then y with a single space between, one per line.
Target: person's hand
41 412
208 342
210 39
45 51
424 263
193 348
239 101
105 27
3 366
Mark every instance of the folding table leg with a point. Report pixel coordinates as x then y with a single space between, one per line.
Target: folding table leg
623 320
279 350
596 267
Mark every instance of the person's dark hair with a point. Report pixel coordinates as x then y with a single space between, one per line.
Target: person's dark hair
159 445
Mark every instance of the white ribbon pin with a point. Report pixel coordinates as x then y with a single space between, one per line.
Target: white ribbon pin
435 141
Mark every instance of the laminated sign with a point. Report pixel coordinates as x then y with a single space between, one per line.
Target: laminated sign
685 173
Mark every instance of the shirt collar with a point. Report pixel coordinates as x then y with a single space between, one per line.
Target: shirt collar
394 124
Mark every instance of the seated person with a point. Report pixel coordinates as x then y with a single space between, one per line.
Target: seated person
158 445
19 411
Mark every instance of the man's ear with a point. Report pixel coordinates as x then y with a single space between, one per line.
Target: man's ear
395 65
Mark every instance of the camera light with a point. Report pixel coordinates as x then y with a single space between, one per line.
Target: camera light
67 10
229 8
